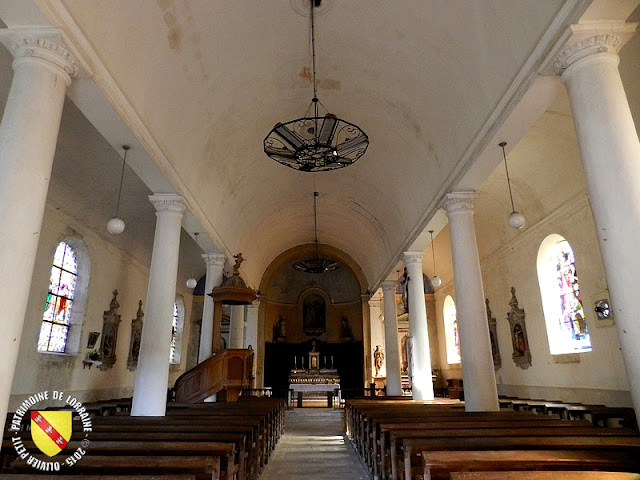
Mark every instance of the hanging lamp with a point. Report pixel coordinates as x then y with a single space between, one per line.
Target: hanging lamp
116 224
315 143
316 264
192 282
435 281
516 219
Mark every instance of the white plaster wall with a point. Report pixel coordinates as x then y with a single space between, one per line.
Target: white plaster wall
600 374
110 269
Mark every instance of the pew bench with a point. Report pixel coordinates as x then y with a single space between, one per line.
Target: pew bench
201 467
38 476
412 448
389 448
438 465
544 475
227 468
381 438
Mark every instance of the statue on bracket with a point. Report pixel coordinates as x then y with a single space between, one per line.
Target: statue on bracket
110 322
493 336
136 335
521 353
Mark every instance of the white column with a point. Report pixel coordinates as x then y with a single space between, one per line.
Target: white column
236 326
392 355
420 368
152 374
215 266
480 392
610 152
28 134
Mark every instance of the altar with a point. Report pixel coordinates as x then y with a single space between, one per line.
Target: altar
314 379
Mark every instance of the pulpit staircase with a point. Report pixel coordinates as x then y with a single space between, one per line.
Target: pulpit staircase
225 374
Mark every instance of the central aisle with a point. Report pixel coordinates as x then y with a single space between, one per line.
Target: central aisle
314 447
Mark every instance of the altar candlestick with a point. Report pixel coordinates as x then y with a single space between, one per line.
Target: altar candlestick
295 362
331 361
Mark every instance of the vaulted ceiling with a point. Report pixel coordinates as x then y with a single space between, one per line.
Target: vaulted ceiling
196 85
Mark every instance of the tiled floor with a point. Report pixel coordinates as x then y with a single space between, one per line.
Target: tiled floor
314 447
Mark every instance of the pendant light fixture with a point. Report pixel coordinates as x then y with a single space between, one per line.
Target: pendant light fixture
316 264
116 224
315 143
516 219
435 281
192 282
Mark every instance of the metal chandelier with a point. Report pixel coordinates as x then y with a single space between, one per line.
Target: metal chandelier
316 143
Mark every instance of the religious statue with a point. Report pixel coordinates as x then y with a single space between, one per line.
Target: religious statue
239 260
378 358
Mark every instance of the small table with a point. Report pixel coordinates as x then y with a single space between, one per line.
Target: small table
330 388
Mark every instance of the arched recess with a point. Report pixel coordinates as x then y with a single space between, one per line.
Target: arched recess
284 289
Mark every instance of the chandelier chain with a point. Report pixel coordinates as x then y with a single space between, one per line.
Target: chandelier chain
433 253
126 148
504 155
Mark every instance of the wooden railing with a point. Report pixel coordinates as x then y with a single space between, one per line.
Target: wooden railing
226 374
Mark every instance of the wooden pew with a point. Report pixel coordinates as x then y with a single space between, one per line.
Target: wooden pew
544 475
394 433
201 467
440 464
244 436
226 466
367 437
364 427
30 476
379 437
412 447
252 424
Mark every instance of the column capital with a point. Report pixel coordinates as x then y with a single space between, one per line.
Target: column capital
43 45
413 257
590 39
457 202
255 304
214 259
168 202
388 286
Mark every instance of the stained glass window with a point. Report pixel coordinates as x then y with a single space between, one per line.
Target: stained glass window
452 339
567 330
174 335
57 309
572 325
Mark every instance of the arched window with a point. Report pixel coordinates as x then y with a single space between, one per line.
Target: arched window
452 339
61 326
57 311
567 330
177 325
